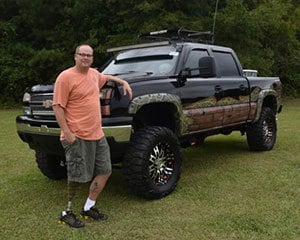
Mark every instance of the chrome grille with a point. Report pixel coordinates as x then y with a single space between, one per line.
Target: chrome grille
41 104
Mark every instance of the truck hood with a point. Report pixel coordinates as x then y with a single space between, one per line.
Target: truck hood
130 78
41 88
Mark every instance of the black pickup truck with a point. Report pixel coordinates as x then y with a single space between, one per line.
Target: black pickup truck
183 91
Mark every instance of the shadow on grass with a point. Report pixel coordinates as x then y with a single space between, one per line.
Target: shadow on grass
215 151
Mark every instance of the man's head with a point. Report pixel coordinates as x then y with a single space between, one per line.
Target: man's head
83 56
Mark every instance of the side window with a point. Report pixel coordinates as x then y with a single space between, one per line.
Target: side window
193 58
226 64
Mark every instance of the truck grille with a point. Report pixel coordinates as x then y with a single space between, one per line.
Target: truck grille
41 104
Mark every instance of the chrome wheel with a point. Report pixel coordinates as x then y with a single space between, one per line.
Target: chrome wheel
152 162
161 166
261 135
268 131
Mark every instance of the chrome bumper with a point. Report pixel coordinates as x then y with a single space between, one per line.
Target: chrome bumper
119 133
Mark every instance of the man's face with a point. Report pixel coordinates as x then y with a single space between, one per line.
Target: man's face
84 57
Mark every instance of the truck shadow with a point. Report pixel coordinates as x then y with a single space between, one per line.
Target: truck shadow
214 151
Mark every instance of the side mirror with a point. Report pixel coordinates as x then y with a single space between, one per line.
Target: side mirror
184 74
207 67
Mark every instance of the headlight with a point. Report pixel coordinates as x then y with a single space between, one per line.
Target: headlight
26 107
26 97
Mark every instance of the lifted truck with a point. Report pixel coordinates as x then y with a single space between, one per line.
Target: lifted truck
184 89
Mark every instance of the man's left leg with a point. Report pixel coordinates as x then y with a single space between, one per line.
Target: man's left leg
102 171
96 188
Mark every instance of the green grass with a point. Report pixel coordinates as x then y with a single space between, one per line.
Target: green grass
225 192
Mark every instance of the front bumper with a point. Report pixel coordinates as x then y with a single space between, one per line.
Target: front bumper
119 133
44 134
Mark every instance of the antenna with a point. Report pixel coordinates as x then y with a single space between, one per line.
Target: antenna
215 17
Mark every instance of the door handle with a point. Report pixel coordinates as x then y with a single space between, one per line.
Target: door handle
218 88
242 87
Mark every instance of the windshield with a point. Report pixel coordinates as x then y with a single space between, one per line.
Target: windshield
159 61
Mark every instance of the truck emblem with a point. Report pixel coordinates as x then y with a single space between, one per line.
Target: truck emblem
47 103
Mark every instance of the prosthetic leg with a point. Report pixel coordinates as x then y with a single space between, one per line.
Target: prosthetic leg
67 216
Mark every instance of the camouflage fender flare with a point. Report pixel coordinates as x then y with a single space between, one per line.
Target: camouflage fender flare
143 100
260 99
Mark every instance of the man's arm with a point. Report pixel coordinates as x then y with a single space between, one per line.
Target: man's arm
125 84
60 117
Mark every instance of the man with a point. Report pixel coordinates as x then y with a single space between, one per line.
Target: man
77 109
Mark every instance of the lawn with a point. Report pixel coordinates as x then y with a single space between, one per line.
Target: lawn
225 192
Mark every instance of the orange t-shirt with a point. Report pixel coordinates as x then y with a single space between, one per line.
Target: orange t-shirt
78 95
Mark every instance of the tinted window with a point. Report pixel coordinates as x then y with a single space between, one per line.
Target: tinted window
193 58
226 64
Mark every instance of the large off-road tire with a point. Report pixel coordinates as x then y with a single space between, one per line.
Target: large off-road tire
261 135
152 163
51 166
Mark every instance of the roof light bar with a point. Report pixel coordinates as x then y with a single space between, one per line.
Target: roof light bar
143 45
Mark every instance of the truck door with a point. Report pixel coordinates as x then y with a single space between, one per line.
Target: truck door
233 88
199 97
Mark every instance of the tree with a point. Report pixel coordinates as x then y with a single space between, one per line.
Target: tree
264 37
38 37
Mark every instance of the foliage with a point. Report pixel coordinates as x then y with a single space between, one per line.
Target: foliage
38 37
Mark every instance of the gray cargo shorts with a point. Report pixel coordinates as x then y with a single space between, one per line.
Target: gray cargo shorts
86 159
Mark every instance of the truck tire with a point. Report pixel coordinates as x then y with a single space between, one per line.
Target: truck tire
50 165
261 135
152 162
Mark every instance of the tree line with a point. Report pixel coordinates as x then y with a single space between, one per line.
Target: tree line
38 37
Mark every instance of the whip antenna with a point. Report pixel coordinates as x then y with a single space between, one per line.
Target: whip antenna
215 17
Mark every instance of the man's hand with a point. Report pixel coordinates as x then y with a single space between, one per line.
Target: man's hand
127 89
70 138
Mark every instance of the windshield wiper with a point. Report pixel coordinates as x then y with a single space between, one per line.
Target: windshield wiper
129 72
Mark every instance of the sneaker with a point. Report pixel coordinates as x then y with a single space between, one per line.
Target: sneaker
94 214
71 219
